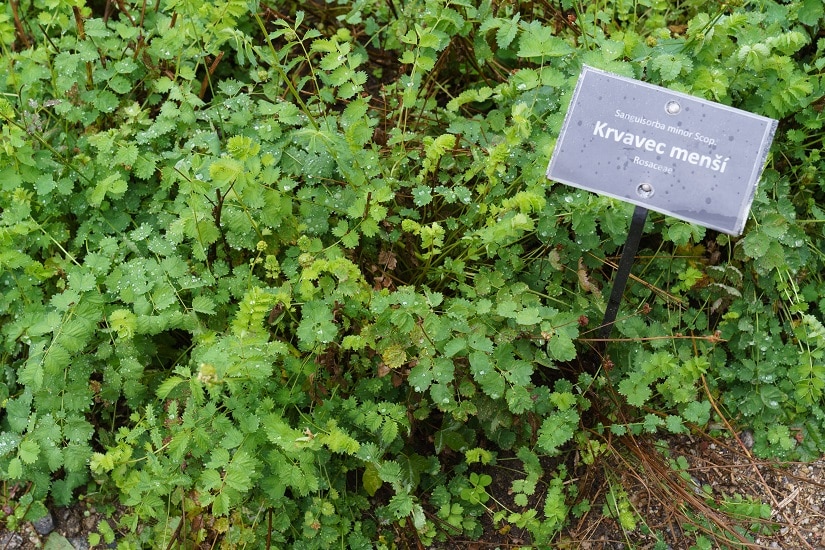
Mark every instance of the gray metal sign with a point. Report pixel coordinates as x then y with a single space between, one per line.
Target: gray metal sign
680 155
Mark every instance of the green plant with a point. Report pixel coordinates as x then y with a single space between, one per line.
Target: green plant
297 276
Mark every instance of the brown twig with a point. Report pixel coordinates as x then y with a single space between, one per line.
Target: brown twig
122 7
81 33
712 338
209 72
18 25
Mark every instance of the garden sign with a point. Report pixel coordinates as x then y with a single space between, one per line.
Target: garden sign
680 155
661 150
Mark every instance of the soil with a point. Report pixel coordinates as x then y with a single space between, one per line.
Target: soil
722 471
718 470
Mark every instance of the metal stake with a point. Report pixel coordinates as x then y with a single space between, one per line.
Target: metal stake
634 235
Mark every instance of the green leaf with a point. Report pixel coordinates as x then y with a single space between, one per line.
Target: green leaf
507 30
421 376
480 364
671 66
56 541
635 390
537 41
422 195
652 423
810 12
556 430
338 441
203 304
528 316
316 326
771 396
561 347
390 471
371 480
697 412
167 386
15 470
520 373
225 170
454 346
28 451
401 505
674 424
126 154
112 185
519 399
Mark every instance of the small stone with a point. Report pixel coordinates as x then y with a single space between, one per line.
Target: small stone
79 543
746 437
11 541
44 525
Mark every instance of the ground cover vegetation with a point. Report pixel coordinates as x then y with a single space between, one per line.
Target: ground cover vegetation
289 274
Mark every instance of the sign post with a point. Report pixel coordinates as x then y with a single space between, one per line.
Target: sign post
661 150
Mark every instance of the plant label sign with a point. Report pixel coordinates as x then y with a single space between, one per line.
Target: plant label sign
680 155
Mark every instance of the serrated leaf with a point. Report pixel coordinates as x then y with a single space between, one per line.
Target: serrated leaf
203 304
371 480
126 154
774 225
18 410
389 432
144 166
394 356
674 424
113 184
338 441
520 373
652 422
480 364
56 359
167 386
507 30
420 377
221 504
316 326
810 12
635 390
240 472
755 244
454 346
671 65
401 505
28 451
538 41
15 470
611 49
771 396
697 412
422 195
492 383
519 399
561 347
528 316
390 471
225 170
556 430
